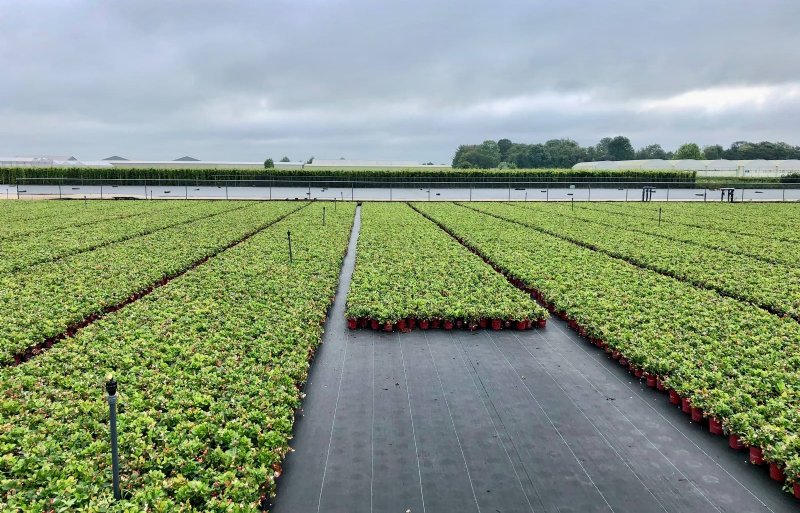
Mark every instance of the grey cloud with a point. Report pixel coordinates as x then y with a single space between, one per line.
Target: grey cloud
394 79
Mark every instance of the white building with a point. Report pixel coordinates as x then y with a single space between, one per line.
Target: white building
741 168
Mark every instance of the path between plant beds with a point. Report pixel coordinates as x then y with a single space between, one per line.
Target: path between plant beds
437 421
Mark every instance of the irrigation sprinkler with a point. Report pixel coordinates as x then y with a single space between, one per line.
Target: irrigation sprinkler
111 389
289 236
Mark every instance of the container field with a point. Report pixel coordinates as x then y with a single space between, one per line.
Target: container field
411 273
211 316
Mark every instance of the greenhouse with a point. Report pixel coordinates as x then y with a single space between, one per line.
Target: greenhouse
754 168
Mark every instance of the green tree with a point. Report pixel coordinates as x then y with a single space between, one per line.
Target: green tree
285 159
689 151
620 148
269 164
651 151
713 152
504 145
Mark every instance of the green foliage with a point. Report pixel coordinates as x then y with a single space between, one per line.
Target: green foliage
689 151
40 302
269 164
285 159
222 176
210 369
432 278
735 361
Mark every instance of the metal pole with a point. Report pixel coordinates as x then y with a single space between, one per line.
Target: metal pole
186 193
590 192
352 191
667 192
509 191
85 204
390 192
573 203
59 191
659 217
547 193
226 191
309 190
626 194
705 194
526 195
289 236
429 194
111 388
323 216
783 190
145 191
101 191
470 192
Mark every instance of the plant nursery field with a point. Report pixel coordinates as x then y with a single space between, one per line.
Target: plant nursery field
212 314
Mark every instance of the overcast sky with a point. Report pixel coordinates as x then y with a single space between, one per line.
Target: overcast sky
390 79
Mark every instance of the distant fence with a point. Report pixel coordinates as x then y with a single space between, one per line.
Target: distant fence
406 190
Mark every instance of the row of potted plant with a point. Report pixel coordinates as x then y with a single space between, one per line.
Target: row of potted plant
410 274
727 237
210 370
737 363
49 298
48 244
774 287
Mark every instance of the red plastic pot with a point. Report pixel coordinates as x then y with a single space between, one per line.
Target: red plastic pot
435 324
402 325
581 331
796 489
615 355
497 324
638 373
674 398
571 323
387 327
424 324
542 323
375 324
459 323
714 426
697 414
735 443
659 384
363 322
686 405
448 325
652 381
776 473
756 456
352 323
522 325
623 362
483 323
562 316
412 323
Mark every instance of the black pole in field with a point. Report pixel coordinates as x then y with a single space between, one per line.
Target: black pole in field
659 217
85 204
573 204
289 236
323 216
111 388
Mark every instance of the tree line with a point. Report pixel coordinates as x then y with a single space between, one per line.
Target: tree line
565 153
